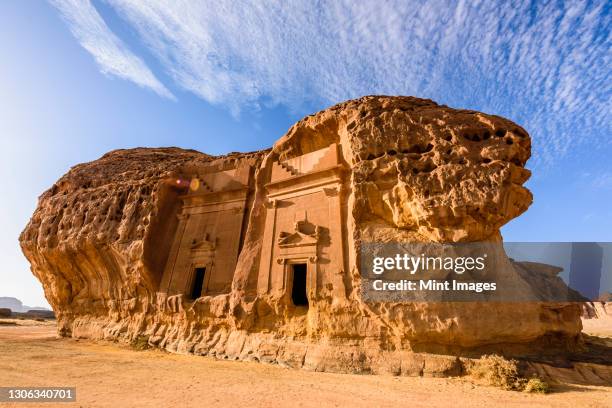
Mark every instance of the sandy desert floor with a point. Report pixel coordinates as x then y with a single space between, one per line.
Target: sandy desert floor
113 375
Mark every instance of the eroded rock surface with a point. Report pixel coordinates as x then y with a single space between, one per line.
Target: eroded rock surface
205 254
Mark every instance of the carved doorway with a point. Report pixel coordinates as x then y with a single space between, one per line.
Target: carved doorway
198 283
299 295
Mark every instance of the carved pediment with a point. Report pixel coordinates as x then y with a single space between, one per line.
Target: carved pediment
304 234
296 239
202 244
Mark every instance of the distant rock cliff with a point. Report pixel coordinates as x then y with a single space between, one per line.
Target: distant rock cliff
255 256
11 303
16 305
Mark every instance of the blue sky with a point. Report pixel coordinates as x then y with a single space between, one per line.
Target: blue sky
79 78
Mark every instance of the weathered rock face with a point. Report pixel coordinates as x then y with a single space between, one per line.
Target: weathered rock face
255 256
440 173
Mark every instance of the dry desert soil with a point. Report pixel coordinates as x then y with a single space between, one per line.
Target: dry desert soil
114 375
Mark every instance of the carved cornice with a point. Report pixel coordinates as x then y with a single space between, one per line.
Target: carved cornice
302 182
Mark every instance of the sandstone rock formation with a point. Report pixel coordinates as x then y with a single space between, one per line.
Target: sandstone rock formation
255 256
597 318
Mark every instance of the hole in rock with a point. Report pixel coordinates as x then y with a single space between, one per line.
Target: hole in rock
392 152
500 132
429 167
198 282
486 135
509 141
486 161
418 149
298 290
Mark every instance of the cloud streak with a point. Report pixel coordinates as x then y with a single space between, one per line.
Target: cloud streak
111 54
542 64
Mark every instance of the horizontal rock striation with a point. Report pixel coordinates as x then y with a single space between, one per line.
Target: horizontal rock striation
207 255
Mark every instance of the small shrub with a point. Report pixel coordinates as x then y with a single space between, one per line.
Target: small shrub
496 370
500 372
536 385
141 343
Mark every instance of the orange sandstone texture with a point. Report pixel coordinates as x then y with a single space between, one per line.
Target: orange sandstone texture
208 255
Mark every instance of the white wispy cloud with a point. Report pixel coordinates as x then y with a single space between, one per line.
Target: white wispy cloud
111 54
602 181
542 64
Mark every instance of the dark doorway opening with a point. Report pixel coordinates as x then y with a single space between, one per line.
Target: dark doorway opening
298 291
198 282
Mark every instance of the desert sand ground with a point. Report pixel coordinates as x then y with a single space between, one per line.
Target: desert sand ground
114 375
